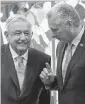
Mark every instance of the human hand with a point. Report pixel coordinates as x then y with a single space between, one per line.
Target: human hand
46 75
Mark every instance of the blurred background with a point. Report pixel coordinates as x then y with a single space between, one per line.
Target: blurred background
35 11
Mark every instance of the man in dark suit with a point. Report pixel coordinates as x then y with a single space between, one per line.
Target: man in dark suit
65 24
21 66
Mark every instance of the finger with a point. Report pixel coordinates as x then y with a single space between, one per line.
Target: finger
48 67
45 70
41 76
44 74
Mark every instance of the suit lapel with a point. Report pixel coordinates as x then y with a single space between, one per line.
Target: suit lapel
59 64
11 67
75 57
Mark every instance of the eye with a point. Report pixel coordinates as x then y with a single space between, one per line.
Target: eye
27 33
17 33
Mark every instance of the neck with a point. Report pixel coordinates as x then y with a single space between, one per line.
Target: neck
78 30
20 53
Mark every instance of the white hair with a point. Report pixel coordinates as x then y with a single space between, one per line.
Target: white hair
64 10
17 17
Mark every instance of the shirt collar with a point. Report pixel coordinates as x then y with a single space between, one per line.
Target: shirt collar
14 54
25 56
77 39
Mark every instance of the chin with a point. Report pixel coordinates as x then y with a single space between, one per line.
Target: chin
22 48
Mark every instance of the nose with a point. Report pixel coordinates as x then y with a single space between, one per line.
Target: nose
22 36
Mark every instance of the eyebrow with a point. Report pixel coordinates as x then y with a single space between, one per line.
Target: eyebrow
23 30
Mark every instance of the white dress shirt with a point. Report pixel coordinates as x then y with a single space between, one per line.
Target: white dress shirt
75 43
25 57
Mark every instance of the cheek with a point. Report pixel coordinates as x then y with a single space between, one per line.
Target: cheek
28 38
66 33
67 36
13 39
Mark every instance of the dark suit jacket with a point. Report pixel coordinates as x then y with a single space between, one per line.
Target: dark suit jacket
10 91
72 91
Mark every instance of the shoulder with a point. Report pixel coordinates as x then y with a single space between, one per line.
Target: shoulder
4 48
38 54
4 53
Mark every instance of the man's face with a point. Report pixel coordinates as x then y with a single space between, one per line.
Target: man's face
61 30
19 36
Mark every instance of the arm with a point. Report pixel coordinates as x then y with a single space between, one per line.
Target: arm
47 77
44 97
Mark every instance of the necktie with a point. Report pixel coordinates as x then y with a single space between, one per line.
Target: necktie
20 71
67 60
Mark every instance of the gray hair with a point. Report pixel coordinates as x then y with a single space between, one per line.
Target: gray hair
17 17
63 10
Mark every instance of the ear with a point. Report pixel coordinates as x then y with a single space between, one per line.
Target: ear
31 34
6 34
69 23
